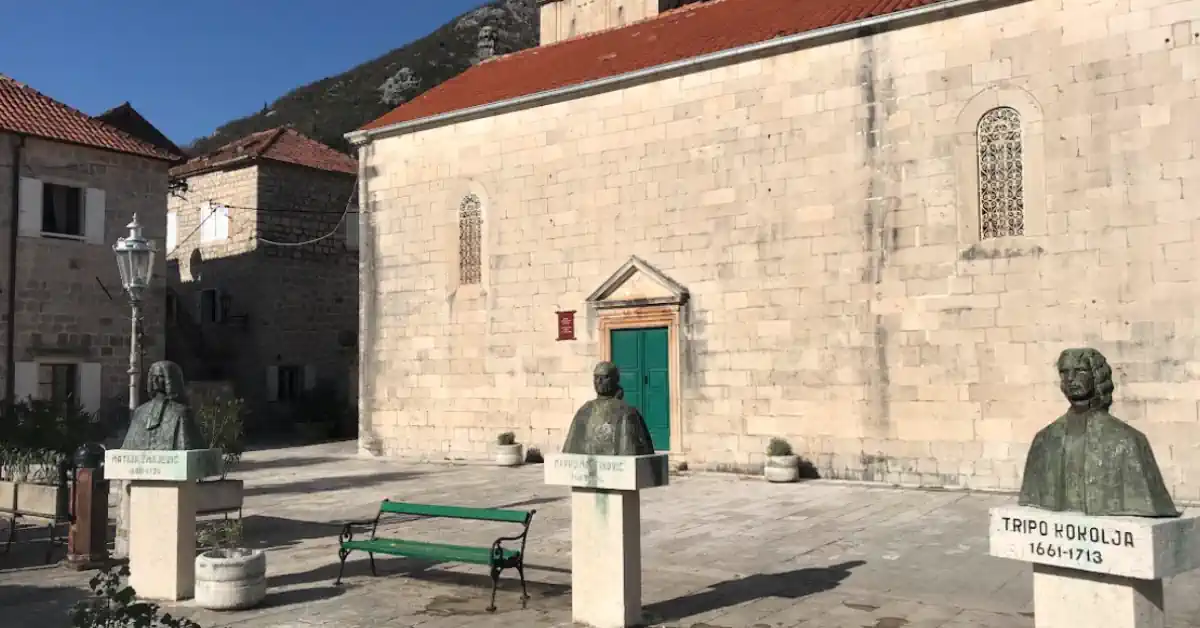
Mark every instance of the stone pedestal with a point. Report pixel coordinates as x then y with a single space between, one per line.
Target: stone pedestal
606 532
162 516
1100 572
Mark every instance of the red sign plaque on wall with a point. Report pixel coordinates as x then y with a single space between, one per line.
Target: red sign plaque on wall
566 325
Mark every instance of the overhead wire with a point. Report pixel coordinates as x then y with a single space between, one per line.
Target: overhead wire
341 219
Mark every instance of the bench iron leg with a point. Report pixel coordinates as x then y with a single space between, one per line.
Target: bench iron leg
12 533
524 592
372 557
49 543
495 581
342 554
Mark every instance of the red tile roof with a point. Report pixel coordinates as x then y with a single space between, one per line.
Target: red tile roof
279 144
691 31
27 111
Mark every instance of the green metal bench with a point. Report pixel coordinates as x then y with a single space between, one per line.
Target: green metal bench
497 557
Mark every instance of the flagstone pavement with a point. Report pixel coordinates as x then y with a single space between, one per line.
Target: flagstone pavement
719 551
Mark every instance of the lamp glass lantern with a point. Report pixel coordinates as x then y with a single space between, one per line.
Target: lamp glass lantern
135 260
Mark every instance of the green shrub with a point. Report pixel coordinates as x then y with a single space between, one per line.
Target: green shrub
506 438
113 605
223 423
39 435
779 447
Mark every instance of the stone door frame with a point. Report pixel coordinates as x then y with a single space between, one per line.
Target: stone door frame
663 309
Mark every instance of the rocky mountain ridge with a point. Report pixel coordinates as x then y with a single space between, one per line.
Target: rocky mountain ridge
327 109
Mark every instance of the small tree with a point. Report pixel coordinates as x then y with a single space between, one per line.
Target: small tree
507 438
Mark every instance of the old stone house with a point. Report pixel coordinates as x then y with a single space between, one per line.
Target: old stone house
868 227
69 185
263 270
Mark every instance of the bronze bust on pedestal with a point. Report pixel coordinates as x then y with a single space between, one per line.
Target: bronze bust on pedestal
165 422
1089 461
607 425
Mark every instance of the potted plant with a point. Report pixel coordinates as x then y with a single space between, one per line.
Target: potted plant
229 576
782 464
509 453
222 422
39 439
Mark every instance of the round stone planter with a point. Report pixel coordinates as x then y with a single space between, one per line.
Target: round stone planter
231 579
510 455
782 468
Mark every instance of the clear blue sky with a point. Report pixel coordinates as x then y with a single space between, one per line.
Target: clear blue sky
189 65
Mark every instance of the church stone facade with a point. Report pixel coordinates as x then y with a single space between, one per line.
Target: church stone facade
873 243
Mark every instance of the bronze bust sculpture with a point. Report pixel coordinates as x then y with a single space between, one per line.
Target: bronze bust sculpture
1089 461
607 425
165 422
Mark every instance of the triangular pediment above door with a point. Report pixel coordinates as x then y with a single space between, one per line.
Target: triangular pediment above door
635 284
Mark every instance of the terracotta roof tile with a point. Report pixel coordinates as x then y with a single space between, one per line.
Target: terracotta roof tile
691 31
279 144
129 120
27 111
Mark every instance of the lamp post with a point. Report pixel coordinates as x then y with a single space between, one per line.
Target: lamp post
135 260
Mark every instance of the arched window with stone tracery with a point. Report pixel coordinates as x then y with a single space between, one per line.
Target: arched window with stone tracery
1001 175
470 240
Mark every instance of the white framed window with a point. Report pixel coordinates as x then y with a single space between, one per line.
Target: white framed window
60 381
172 231
63 210
214 223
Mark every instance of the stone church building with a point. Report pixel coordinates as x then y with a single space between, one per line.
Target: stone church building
866 226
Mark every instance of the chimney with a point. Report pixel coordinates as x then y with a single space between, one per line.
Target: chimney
564 19
485 47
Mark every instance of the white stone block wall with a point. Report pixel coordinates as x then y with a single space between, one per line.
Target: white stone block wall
818 207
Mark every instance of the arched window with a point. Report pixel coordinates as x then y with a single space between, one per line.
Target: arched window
1001 180
470 239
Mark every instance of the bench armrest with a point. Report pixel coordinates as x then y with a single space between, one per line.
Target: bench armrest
347 533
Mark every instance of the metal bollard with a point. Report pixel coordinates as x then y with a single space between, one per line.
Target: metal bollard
87 545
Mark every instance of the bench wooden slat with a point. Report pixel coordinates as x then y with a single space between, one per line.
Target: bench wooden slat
431 551
455 512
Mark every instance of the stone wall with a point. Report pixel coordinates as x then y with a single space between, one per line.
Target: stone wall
286 305
70 305
821 207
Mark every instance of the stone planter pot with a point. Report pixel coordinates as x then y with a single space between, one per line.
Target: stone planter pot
219 496
42 500
510 455
231 579
782 468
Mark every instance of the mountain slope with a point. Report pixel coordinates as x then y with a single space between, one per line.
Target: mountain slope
329 108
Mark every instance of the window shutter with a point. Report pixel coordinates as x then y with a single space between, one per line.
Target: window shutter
222 219
172 232
25 381
310 377
206 222
352 229
93 218
272 383
30 218
90 386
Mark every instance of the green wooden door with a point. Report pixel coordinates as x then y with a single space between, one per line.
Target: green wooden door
641 355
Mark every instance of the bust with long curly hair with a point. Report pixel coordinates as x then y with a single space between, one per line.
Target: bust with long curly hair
165 422
1088 460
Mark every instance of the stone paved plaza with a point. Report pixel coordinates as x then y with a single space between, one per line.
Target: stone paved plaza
720 551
